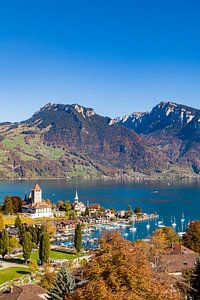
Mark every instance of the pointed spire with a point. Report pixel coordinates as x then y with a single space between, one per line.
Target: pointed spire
37 188
76 196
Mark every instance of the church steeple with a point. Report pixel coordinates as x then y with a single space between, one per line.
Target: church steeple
76 196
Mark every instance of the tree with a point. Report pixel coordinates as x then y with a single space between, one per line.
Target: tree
195 279
33 265
44 249
54 206
18 222
4 242
137 210
33 231
63 286
129 212
48 278
121 270
87 211
192 237
27 245
16 204
161 239
166 236
78 238
8 209
50 228
2 222
13 243
68 205
21 232
72 214
60 204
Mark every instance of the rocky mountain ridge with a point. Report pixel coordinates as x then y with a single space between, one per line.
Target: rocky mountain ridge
174 128
63 141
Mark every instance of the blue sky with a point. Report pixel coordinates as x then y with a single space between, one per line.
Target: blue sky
115 56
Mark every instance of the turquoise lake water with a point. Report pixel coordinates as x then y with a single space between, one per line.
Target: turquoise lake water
168 200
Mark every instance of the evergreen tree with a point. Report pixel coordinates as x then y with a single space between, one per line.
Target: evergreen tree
21 233
33 231
195 280
63 285
78 238
44 249
129 212
18 222
2 223
4 242
27 245
87 211
8 209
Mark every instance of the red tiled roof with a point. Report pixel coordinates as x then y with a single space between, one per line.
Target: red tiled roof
179 258
42 204
25 292
94 206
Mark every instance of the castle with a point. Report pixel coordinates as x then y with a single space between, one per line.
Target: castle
35 206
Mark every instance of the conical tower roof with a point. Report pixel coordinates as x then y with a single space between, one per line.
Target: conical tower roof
37 188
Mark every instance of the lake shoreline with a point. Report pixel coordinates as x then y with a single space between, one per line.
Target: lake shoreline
169 179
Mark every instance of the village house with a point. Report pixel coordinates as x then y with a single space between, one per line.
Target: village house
177 259
109 214
28 291
94 208
35 206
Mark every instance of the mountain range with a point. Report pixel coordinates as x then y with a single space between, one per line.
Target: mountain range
65 141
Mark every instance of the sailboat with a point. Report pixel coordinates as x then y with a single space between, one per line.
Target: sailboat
148 226
174 223
182 232
133 228
160 224
182 218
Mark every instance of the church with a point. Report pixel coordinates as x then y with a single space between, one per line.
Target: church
35 206
78 206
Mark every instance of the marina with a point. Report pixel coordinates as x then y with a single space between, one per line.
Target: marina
137 229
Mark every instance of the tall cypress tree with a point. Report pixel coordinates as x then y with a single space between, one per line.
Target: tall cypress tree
27 245
63 285
8 208
4 242
78 238
44 249
18 222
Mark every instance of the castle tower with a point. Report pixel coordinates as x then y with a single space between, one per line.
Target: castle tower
36 194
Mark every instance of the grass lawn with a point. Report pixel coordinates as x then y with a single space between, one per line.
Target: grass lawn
57 255
12 273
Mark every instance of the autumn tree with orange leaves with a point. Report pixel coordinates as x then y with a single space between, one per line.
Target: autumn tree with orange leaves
121 270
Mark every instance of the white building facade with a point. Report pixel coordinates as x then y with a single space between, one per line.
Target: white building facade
36 207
